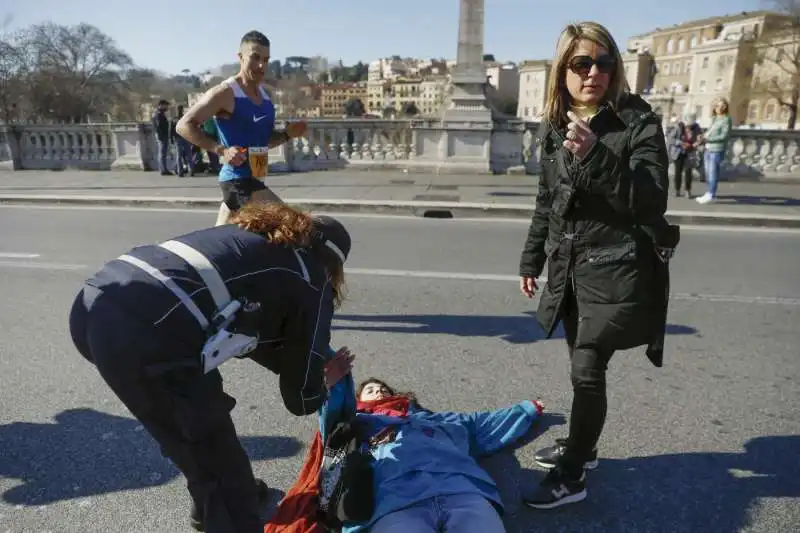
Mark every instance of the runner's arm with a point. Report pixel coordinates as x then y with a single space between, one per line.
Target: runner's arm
190 127
278 138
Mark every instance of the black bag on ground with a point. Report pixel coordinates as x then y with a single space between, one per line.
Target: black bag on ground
346 492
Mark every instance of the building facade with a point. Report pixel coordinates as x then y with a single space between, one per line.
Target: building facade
533 78
683 69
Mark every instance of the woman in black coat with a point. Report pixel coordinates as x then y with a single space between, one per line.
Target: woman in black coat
600 206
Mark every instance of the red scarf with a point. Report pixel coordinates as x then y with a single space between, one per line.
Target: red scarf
392 406
296 513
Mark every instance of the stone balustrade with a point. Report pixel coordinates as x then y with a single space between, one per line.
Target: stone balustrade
412 145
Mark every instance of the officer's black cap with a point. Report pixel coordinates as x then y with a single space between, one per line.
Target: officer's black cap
332 236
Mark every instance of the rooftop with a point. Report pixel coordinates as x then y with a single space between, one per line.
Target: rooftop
724 19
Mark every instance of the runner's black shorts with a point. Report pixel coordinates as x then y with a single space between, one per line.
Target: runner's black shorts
236 193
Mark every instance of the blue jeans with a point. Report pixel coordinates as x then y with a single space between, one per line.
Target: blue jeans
712 162
185 157
456 513
163 151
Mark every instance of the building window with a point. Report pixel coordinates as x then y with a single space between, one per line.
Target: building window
752 111
681 44
688 68
705 62
676 67
670 46
666 69
769 112
718 86
693 42
703 86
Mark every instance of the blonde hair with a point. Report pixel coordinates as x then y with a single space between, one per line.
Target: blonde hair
721 100
558 98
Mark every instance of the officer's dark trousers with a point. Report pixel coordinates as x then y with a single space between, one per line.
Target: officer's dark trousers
186 411
589 402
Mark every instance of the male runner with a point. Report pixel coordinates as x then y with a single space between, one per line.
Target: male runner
245 118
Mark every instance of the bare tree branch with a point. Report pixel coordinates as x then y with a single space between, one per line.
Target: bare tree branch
77 71
13 72
781 48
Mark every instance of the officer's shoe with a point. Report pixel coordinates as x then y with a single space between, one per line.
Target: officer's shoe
196 516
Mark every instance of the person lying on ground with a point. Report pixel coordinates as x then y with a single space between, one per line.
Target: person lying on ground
424 463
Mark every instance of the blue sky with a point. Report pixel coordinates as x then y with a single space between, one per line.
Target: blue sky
171 35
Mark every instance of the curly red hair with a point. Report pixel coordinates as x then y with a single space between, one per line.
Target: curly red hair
283 224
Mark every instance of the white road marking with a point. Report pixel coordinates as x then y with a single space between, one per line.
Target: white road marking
460 276
18 255
429 274
721 298
41 265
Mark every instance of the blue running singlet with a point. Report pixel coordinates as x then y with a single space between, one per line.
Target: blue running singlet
249 126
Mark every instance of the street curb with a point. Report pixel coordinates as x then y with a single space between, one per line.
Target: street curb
399 207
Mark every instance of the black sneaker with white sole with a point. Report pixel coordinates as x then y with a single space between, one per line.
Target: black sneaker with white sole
557 489
548 457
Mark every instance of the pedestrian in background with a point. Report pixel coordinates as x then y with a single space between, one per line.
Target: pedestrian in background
716 142
161 129
185 159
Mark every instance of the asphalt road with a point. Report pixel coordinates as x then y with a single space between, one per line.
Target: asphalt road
708 443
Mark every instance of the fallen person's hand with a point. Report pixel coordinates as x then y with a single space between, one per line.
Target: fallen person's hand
338 367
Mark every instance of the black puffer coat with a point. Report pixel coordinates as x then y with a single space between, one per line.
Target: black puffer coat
595 224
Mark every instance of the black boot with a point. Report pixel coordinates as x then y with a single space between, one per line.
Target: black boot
196 515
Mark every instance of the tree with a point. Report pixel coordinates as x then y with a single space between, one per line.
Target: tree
76 72
354 107
779 54
409 109
12 79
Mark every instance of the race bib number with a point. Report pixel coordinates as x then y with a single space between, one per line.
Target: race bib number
258 157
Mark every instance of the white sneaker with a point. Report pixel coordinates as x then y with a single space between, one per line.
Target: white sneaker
705 199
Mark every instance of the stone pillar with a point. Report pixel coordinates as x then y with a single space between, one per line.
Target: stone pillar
468 101
130 147
10 148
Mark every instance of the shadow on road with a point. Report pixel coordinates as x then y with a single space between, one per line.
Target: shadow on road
87 453
677 492
516 329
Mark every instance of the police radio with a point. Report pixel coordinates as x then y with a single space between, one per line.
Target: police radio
227 342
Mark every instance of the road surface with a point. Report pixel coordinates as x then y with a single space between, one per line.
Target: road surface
709 442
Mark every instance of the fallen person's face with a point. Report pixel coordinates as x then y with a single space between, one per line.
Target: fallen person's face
374 391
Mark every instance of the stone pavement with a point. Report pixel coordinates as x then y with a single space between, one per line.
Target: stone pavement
745 203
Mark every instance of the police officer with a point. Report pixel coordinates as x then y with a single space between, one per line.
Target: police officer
158 320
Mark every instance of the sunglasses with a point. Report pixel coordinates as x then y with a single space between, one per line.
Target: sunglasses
581 65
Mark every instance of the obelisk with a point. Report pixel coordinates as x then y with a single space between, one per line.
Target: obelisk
468 100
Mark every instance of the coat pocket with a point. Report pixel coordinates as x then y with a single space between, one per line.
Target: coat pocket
609 255
613 274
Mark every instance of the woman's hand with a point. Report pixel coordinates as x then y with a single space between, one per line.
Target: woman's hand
528 286
580 137
338 367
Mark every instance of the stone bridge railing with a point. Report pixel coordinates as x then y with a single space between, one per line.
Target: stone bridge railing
413 145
